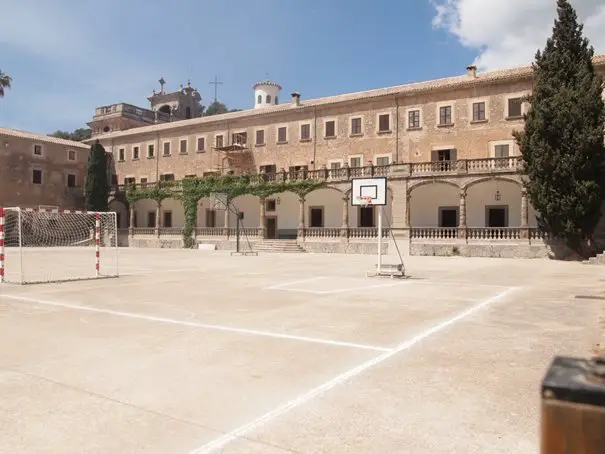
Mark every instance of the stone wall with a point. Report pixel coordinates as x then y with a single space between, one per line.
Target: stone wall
525 251
343 247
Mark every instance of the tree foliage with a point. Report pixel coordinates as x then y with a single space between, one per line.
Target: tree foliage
217 108
562 143
5 82
78 135
97 183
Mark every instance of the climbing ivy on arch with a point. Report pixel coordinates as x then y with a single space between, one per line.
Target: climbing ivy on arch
157 192
194 189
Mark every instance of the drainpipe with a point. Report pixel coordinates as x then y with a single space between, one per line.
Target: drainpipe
314 135
229 142
157 157
397 130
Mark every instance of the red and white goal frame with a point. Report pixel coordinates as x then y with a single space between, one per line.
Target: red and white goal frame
47 244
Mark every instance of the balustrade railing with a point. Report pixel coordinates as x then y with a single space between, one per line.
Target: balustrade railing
244 231
170 231
431 233
478 234
143 230
416 234
537 234
144 115
493 233
210 231
485 165
366 232
323 232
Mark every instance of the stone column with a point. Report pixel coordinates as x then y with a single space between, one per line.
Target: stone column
408 202
131 220
158 223
262 228
524 215
462 215
344 229
301 218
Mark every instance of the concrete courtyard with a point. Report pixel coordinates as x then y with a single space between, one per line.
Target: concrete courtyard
191 352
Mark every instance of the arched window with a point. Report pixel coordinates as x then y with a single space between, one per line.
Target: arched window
259 99
188 112
276 101
268 99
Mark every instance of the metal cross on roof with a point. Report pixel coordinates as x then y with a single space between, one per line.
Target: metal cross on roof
216 83
162 83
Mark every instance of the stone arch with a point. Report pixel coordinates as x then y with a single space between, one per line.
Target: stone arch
493 202
330 187
249 206
324 208
165 109
493 178
434 203
425 182
119 198
122 209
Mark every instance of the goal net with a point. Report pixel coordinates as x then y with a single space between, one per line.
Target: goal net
39 246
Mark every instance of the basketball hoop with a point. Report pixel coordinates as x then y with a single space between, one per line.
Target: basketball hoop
364 201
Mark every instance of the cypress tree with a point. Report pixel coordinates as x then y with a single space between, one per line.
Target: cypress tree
97 184
563 142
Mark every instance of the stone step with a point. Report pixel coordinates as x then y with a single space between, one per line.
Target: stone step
597 260
279 246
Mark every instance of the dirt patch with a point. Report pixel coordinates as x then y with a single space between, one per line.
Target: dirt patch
599 349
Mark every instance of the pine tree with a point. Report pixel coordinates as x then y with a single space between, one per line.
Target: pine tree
563 142
97 184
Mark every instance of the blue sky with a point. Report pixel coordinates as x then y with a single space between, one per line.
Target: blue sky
67 57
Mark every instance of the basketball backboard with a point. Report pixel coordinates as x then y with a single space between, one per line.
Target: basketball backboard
362 188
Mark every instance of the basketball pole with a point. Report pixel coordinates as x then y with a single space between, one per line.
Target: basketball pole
379 266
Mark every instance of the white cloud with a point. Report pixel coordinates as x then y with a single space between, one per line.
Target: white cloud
508 33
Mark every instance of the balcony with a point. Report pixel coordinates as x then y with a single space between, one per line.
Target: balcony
482 166
131 112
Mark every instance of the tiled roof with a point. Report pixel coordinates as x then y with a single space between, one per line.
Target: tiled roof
41 138
448 83
266 82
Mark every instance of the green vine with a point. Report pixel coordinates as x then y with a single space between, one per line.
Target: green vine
194 189
157 192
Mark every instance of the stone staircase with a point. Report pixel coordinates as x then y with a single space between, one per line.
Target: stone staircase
597 260
278 246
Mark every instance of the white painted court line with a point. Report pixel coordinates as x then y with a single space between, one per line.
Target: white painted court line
288 284
152 318
297 402
338 290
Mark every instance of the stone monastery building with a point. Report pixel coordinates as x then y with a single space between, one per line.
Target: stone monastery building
445 146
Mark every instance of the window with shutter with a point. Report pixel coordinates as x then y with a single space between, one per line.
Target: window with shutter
384 123
330 128
305 132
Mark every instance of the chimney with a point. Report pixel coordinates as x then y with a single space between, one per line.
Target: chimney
295 99
471 71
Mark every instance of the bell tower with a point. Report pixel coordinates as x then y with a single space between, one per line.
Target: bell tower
180 105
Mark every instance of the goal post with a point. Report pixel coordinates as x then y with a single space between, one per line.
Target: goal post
51 245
